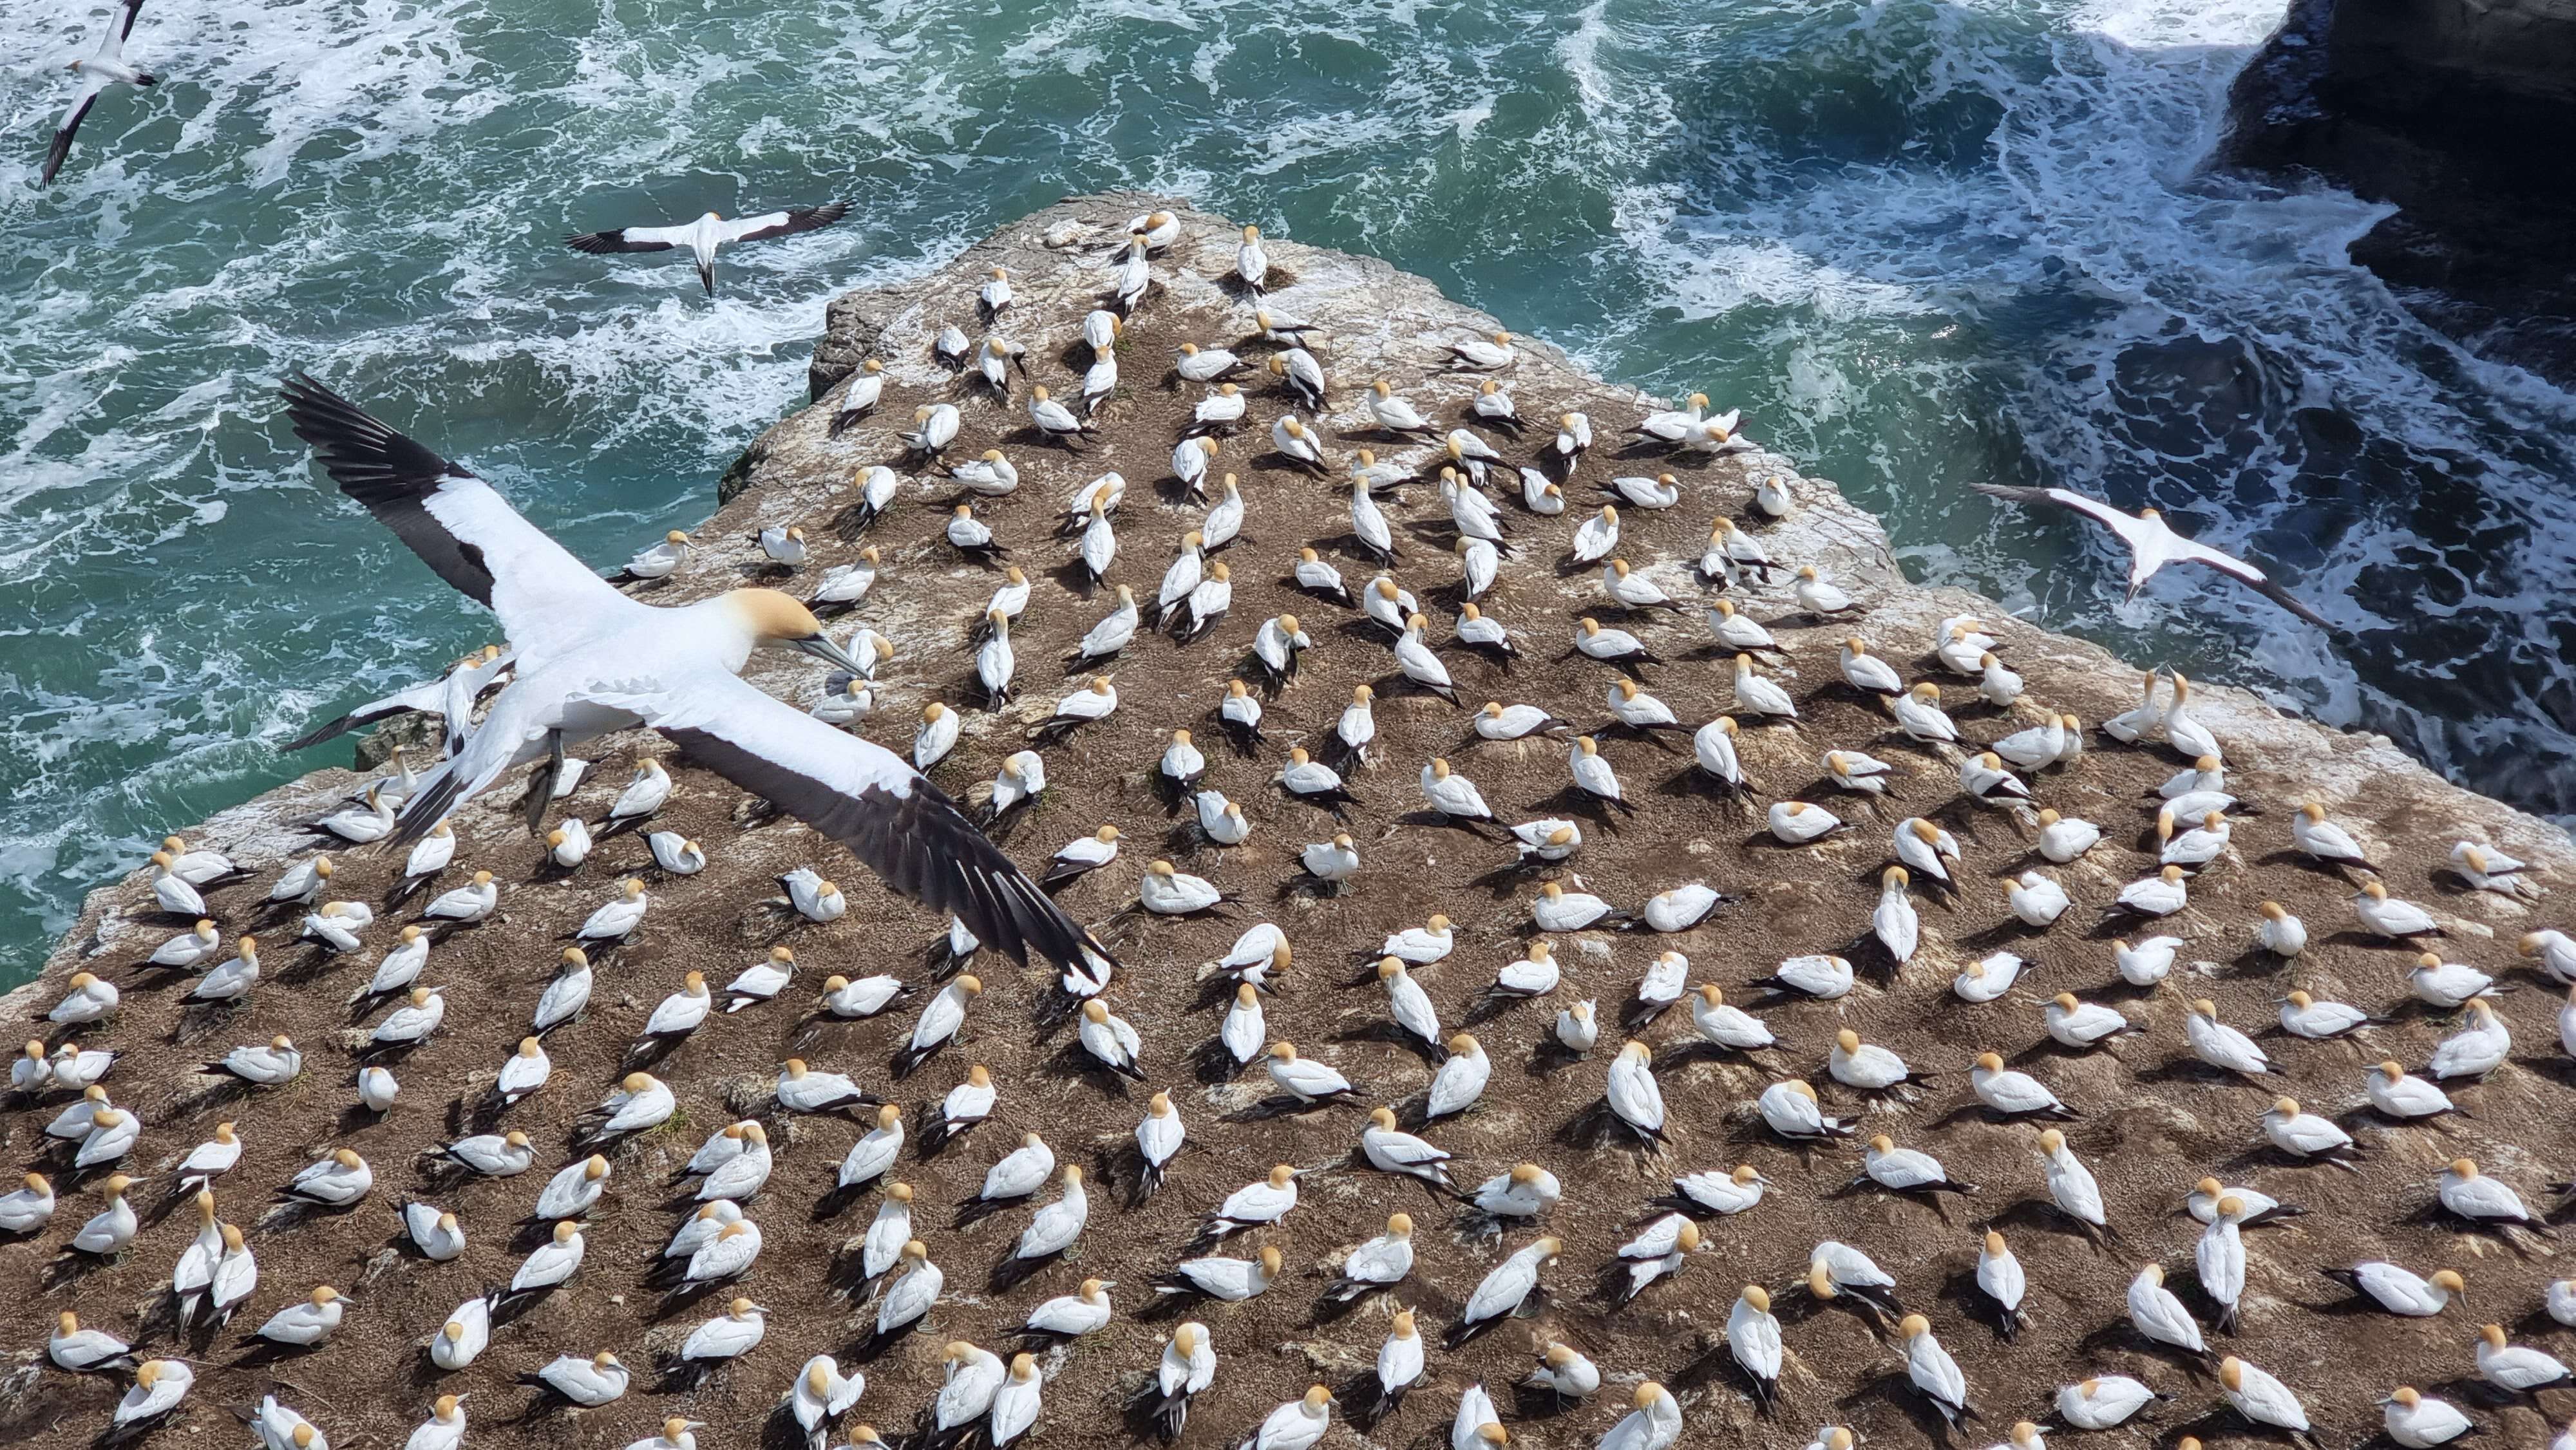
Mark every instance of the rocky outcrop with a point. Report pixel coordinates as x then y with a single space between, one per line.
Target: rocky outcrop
2463 113
2153 1119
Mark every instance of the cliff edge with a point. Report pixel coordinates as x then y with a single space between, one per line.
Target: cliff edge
2153 1117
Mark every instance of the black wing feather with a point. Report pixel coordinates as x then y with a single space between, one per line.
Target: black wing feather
392 475
61 150
596 243
801 219
920 844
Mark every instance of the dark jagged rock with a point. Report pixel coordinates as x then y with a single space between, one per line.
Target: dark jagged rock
2463 114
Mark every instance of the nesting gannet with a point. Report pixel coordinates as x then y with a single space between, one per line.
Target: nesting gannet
336 1180
377 1089
109 1230
28 1207
1502 1291
585 1380
308 1323
1460 1081
1231 1280
639 1101
160 1385
2477 1048
709 232
1789 1109
1662 491
2469 1195
1982 777
86 1351
2071 1186
1303 1078
1488 637
1932 1370
1115 631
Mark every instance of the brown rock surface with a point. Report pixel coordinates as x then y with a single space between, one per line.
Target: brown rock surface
2154 1121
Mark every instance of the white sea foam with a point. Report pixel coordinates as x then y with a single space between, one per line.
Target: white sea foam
1921 244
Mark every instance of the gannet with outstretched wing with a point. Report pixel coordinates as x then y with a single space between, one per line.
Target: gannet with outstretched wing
2153 544
709 232
590 661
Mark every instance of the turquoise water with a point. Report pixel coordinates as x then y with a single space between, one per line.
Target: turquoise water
1920 244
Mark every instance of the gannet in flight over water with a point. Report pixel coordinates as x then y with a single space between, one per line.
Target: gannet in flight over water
2153 544
103 68
578 643
709 232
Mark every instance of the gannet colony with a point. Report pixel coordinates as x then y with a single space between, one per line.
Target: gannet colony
1450 902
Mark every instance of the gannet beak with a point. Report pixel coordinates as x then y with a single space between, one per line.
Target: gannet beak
823 649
